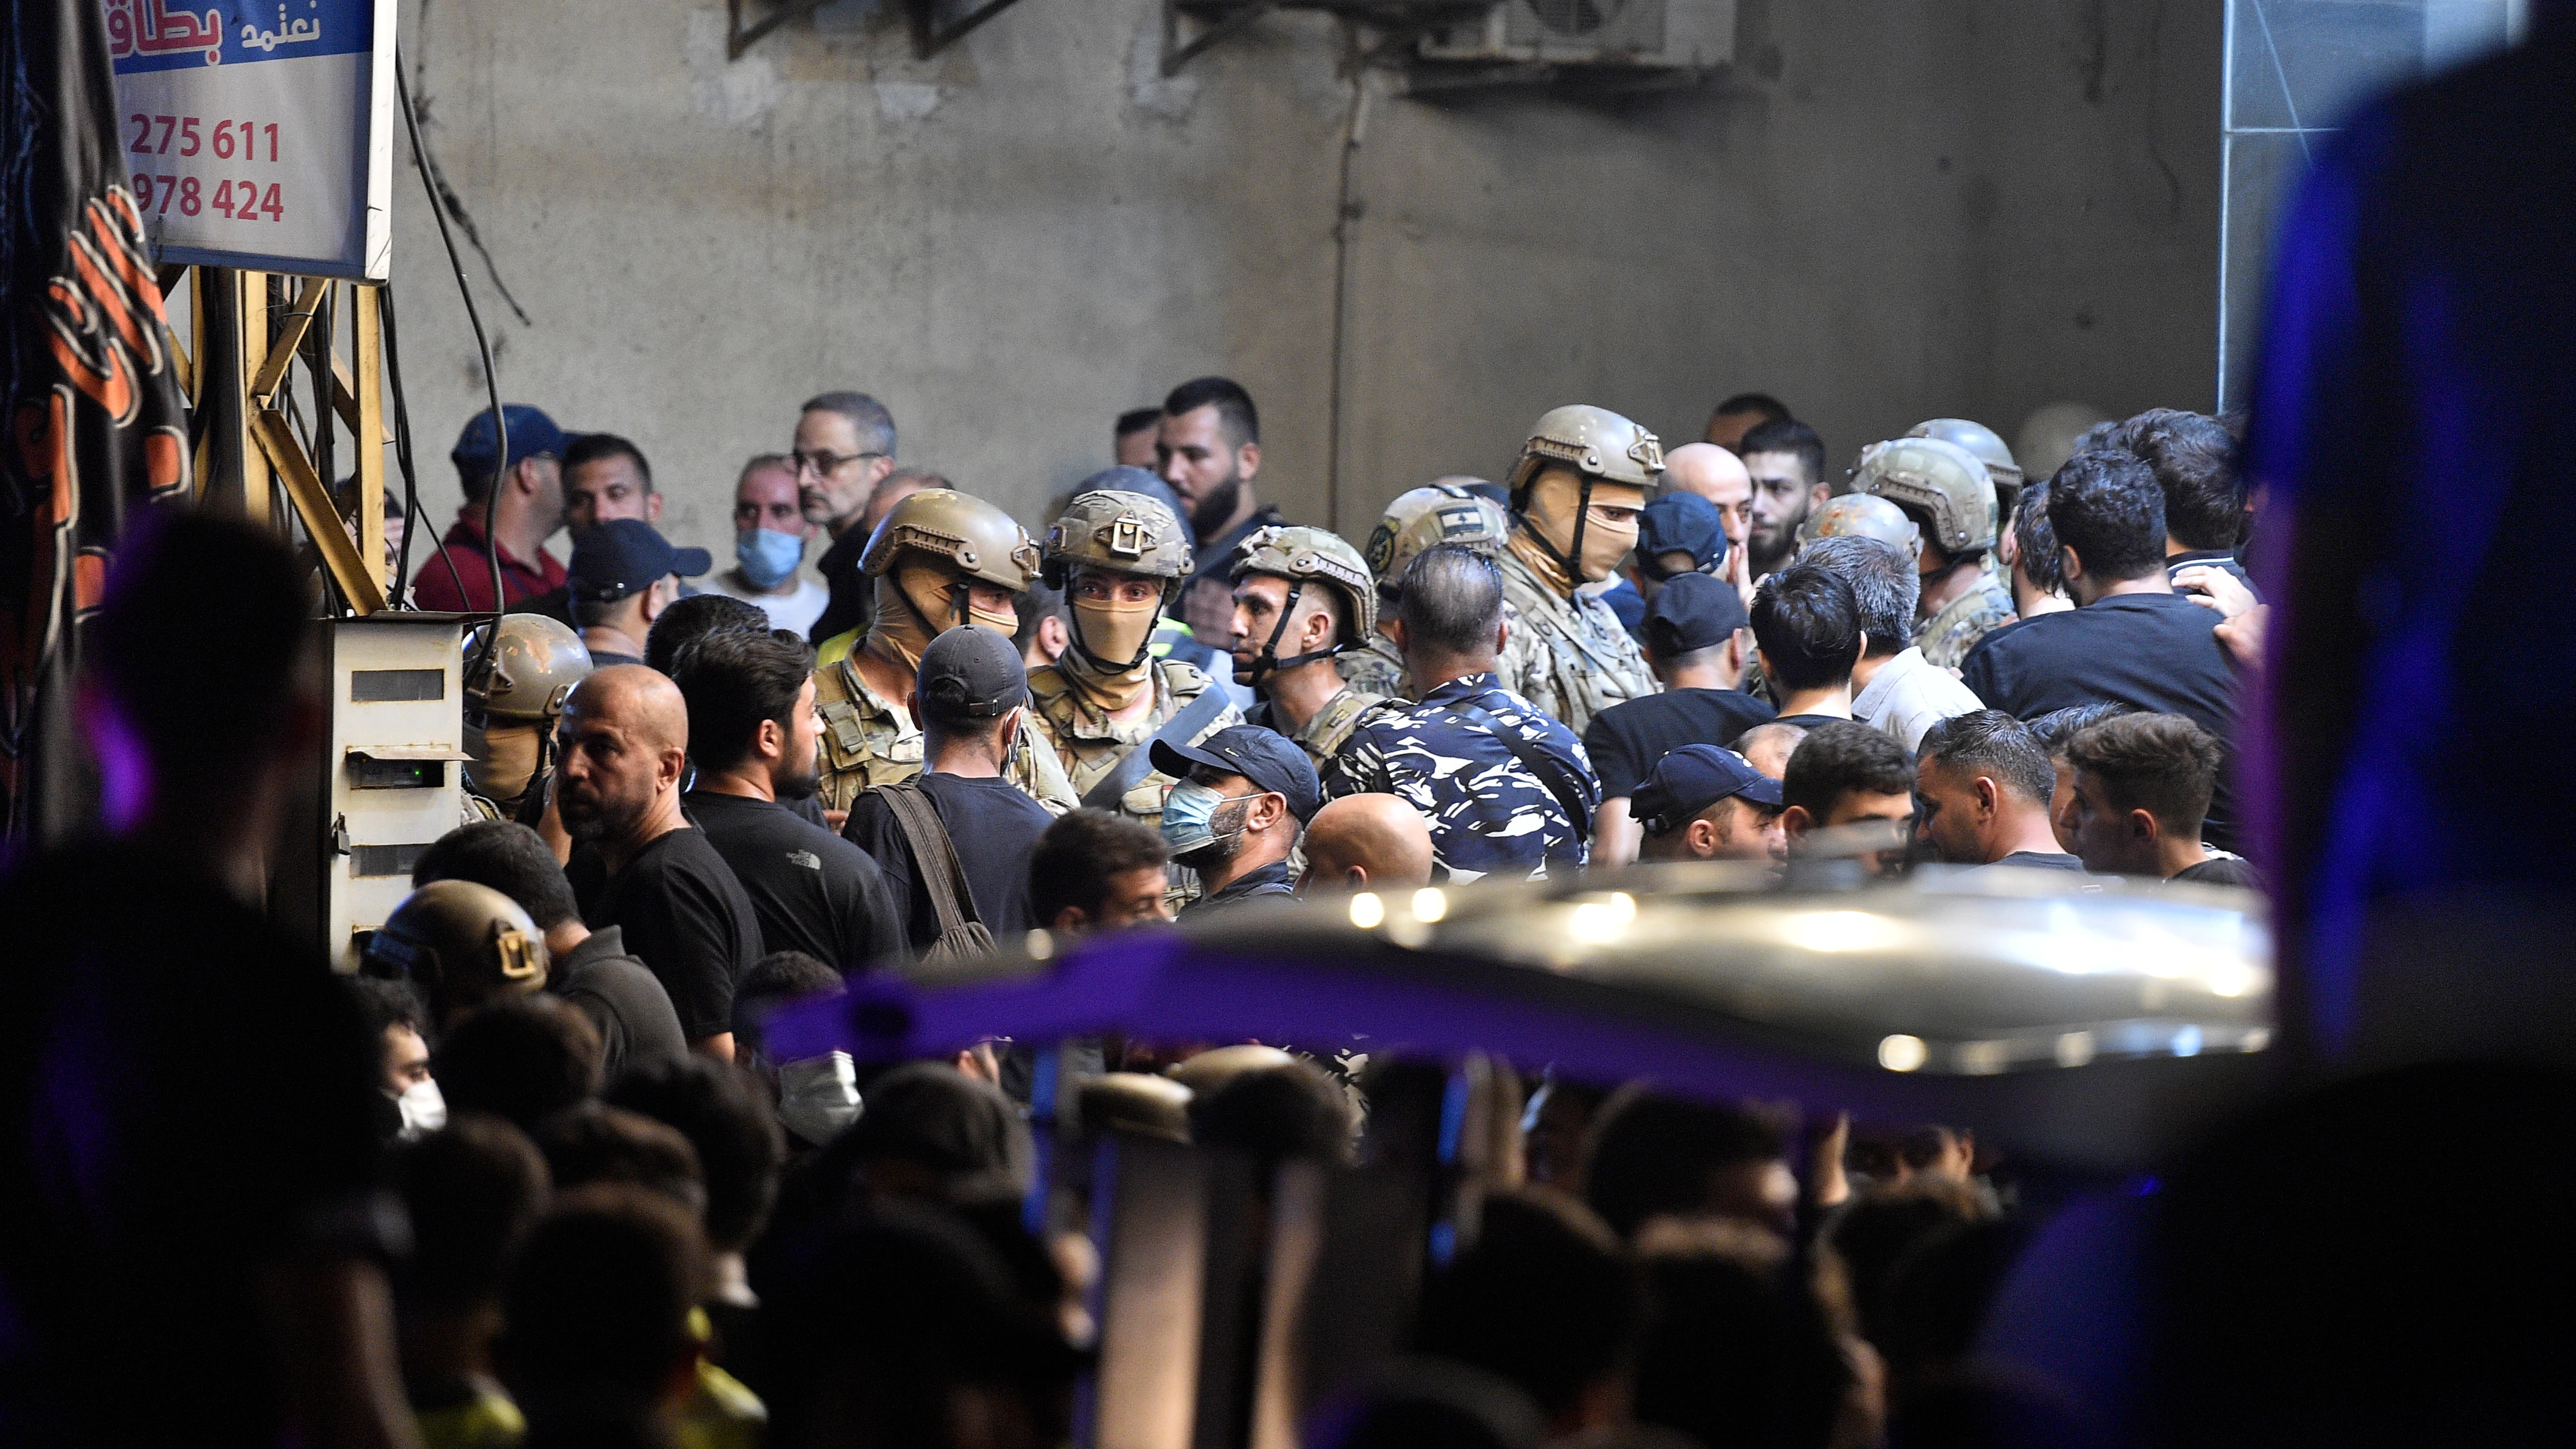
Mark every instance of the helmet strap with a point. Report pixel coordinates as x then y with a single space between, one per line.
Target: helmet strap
1269 662
1144 647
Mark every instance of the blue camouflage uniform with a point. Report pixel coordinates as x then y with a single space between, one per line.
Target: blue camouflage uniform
1488 811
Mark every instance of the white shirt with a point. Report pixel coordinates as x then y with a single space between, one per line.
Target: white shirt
794 612
1909 695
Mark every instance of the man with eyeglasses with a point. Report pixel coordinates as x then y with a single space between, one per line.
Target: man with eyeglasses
844 449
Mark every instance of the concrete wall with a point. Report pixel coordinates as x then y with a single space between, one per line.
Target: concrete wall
1887 210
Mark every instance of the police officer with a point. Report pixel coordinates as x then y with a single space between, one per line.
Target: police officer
510 708
1945 490
1582 479
1989 448
1302 597
939 559
461 943
1121 560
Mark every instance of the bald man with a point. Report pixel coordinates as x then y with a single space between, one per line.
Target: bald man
1718 476
639 869
1767 747
1365 843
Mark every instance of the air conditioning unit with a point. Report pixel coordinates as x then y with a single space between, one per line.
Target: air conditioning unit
1590 34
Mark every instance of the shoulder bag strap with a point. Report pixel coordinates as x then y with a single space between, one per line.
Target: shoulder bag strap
934 854
1552 772
1180 729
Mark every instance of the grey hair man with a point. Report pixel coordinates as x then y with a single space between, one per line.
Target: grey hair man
844 448
1893 686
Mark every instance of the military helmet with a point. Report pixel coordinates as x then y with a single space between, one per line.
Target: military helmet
459 939
1298 553
960 530
1979 439
1865 516
1436 513
533 668
1595 442
1127 533
1941 481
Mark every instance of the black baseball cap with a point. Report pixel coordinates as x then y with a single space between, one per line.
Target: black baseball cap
1267 758
1692 611
971 673
624 556
1691 779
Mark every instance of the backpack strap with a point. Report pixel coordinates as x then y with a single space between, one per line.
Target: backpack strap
1555 774
934 854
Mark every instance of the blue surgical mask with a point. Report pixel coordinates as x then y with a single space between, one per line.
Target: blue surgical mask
767 558
1189 817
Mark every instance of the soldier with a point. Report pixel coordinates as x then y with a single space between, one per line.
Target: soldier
1945 490
511 703
462 944
1578 488
1301 597
1866 516
1442 512
1121 559
1988 446
940 559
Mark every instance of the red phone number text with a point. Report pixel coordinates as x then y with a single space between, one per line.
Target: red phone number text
190 136
240 200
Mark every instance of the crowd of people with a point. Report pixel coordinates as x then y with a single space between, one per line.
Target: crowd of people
534 1177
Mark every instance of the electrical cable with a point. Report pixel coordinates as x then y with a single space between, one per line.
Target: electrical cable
417 518
491 384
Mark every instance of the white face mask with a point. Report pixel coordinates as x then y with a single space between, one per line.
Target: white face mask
424 1110
818 1096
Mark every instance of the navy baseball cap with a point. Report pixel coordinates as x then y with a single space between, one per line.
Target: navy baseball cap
1267 758
624 556
532 433
1691 779
1678 522
1692 611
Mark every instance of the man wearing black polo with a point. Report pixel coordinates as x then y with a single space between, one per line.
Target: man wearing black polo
1696 638
2132 640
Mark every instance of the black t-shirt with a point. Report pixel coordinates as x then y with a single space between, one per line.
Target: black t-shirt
2156 653
603 658
1808 722
623 998
811 890
2222 870
684 915
185 1094
1269 880
994 825
1627 739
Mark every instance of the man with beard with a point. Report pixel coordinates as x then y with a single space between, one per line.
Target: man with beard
757 740
1243 795
1301 597
940 559
638 864
1120 558
1581 482
1210 448
1786 461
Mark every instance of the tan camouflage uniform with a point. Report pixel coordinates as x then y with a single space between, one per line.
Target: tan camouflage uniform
1376 667
1577 660
1089 744
1325 734
870 740
1947 636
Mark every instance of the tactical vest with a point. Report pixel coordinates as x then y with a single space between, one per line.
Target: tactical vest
869 740
1579 660
1088 744
1330 729
1947 636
